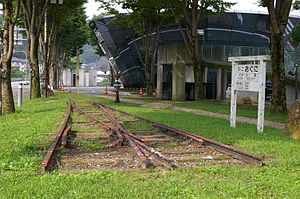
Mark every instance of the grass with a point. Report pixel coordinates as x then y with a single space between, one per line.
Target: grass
23 144
224 108
138 125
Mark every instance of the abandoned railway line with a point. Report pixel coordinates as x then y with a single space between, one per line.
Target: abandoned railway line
96 136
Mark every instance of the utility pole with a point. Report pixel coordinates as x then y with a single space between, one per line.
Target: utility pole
77 70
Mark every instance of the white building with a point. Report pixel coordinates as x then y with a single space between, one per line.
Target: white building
87 77
21 64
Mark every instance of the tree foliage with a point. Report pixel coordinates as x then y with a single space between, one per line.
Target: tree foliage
66 31
146 18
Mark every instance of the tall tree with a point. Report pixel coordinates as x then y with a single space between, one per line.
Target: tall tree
193 11
278 16
34 12
145 17
10 15
72 33
57 17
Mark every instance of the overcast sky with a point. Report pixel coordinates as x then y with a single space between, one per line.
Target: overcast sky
242 5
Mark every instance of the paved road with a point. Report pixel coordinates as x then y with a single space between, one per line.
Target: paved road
96 90
26 91
83 90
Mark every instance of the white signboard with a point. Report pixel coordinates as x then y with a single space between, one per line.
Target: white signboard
247 77
248 74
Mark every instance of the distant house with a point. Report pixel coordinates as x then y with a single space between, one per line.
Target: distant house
21 64
101 66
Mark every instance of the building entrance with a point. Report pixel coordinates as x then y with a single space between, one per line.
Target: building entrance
167 81
74 80
211 85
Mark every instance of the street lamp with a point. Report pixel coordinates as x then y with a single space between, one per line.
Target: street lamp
117 85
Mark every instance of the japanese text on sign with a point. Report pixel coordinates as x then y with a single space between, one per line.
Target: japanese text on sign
247 77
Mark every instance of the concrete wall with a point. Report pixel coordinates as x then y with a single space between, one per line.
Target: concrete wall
81 78
67 77
182 71
93 78
87 78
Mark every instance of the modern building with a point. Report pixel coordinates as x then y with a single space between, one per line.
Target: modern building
222 36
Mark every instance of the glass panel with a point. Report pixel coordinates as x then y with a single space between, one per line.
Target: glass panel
218 53
206 52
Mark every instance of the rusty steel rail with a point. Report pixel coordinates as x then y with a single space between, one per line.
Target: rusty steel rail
101 123
130 137
65 136
144 160
117 124
46 164
236 153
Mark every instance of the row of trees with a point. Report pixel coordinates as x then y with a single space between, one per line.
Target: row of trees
55 31
66 31
148 16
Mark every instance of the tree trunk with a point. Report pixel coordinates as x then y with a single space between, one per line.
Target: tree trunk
198 76
9 21
197 59
7 94
278 74
278 16
34 12
35 89
148 71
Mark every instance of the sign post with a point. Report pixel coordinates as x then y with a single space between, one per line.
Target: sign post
249 74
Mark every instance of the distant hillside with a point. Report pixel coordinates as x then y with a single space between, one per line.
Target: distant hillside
88 56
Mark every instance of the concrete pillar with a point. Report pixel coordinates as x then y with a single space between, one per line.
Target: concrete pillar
178 82
160 81
224 82
219 84
205 72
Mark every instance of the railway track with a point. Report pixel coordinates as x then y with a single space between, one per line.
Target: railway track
101 137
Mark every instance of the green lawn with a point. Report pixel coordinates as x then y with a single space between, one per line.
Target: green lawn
221 107
23 143
224 107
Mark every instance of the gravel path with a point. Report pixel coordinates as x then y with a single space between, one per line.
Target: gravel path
276 125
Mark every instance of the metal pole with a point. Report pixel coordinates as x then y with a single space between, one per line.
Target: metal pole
20 94
77 70
296 82
46 68
117 99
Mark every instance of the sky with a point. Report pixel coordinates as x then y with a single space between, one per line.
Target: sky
242 5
